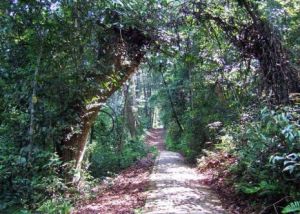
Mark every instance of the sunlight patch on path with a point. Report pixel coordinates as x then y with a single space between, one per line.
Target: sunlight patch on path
176 189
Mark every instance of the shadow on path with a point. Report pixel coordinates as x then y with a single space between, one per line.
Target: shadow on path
176 188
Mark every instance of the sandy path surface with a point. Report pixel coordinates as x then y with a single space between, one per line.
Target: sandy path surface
175 187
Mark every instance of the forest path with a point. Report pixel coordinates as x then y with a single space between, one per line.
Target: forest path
175 187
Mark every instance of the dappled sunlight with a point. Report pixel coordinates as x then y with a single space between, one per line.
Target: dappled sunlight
176 188
123 194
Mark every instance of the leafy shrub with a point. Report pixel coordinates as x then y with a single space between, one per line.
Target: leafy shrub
132 151
268 149
112 148
27 180
262 188
55 206
289 165
106 159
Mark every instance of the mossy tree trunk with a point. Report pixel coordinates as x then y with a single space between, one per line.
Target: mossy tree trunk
126 54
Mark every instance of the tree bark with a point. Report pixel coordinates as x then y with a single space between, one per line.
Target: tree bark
73 146
128 113
33 97
125 63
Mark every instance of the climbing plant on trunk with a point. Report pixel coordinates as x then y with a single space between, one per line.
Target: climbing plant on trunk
128 47
257 39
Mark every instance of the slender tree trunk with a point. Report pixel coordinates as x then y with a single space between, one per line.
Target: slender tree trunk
34 98
171 101
190 77
129 115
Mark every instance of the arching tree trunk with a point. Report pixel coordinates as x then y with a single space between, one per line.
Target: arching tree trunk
127 54
73 146
258 39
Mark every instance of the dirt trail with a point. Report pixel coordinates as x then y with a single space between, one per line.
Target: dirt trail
175 187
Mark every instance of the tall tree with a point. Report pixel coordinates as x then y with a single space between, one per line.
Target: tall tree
256 38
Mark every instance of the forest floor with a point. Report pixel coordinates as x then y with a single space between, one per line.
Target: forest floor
124 194
172 187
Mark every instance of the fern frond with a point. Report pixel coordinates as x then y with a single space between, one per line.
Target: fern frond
293 207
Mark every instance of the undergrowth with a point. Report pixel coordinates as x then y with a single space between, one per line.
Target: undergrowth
265 154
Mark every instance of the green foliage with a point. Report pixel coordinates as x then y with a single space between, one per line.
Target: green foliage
132 151
172 143
262 188
55 206
290 165
57 56
108 159
112 149
198 104
71 39
26 180
267 150
293 207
